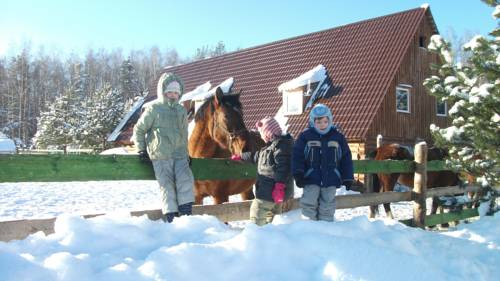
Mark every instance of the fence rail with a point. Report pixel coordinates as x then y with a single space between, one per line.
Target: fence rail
60 168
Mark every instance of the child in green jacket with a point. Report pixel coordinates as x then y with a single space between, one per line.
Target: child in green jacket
161 134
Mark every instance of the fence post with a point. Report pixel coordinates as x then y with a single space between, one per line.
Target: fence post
379 141
420 185
369 182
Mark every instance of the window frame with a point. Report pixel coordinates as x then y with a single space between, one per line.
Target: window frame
297 95
408 94
445 114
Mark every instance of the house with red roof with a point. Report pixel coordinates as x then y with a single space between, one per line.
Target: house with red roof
369 73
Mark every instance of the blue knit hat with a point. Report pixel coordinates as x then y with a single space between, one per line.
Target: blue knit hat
321 110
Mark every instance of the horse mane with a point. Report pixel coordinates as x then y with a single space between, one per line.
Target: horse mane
230 99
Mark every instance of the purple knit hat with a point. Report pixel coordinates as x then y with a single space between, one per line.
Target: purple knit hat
268 128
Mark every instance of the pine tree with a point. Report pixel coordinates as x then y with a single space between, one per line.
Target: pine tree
59 125
79 81
104 111
129 82
474 91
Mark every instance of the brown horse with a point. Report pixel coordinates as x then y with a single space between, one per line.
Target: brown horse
386 182
219 132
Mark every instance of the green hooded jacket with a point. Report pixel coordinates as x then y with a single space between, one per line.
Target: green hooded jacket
162 129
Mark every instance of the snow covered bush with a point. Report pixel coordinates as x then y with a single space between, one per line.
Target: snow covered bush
472 89
103 112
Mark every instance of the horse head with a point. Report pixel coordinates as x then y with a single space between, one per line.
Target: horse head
248 141
393 151
224 118
436 153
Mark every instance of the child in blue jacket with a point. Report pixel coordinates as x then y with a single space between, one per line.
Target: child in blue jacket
321 163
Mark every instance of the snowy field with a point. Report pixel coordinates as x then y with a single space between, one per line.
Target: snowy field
47 200
119 247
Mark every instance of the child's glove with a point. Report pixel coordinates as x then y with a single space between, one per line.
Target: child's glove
278 192
235 157
144 156
347 184
299 179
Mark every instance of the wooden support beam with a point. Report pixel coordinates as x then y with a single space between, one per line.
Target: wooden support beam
451 190
420 184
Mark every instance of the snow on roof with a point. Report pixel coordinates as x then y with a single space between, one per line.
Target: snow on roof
137 104
202 89
425 6
316 74
225 86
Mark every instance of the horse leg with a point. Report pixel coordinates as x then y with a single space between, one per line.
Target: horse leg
247 195
375 188
388 212
373 211
435 205
221 198
387 184
198 199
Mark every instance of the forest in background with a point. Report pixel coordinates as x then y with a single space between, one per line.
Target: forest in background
42 88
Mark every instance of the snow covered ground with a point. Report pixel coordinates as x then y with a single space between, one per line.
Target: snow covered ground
202 248
119 247
47 200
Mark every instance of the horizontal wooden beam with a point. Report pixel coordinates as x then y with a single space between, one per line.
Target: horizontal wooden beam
451 190
20 229
60 168
432 220
441 218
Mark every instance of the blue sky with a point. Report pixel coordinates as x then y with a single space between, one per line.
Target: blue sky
76 25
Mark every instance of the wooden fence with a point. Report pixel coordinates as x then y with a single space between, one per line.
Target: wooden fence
57 168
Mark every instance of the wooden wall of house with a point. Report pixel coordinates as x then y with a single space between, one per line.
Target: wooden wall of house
407 127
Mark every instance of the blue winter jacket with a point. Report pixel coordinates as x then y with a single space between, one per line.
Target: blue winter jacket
323 160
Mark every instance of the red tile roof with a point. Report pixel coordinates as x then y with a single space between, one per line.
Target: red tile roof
361 59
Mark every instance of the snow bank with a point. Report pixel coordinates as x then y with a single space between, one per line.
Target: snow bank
118 247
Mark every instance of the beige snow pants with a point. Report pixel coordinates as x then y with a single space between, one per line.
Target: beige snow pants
176 183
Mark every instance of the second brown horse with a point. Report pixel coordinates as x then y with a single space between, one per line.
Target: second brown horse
386 182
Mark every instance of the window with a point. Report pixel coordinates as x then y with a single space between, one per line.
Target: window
402 100
441 108
293 102
421 41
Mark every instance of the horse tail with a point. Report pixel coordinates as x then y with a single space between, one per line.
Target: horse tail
376 183
375 180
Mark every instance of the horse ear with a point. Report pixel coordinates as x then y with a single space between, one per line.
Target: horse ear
218 96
